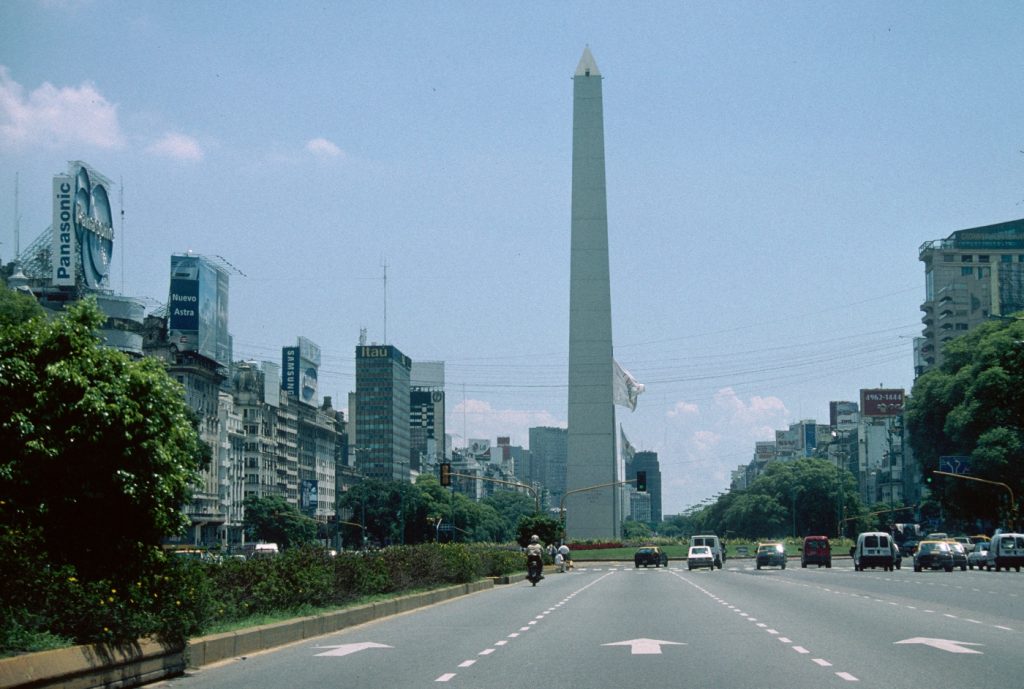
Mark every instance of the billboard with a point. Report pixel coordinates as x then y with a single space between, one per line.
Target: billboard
83 228
309 366
64 251
309 497
881 402
197 309
290 370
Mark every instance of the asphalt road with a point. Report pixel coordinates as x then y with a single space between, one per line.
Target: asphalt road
611 625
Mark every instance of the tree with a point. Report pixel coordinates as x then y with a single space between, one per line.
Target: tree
273 519
547 529
973 405
510 506
633 530
100 451
16 307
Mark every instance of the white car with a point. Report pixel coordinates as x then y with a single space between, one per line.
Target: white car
979 556
700 556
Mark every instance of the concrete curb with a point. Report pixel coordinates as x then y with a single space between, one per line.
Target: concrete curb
94 666
217 647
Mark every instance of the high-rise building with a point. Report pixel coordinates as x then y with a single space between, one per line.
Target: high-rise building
970 276
648 462
382 412
426 416
592 457
548 454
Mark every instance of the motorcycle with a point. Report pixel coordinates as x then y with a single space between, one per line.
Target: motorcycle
534 569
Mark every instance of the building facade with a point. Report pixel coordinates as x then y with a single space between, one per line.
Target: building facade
970 276
382 412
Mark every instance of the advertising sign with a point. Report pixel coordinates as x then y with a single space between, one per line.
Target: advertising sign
308 500
64 250
881 402
183 311
290 370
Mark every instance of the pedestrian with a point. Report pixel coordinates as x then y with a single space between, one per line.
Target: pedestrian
566 554
559 562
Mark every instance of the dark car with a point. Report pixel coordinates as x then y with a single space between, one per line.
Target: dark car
909 547
771 555
816 551
933 555
650 555
959 555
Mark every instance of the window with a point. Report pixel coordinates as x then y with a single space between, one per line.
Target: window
967 258
1006 258
966 270
983 258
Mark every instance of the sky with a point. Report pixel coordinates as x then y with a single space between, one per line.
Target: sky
772 171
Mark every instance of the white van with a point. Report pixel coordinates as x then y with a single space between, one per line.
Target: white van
1005 551
711 541
873 549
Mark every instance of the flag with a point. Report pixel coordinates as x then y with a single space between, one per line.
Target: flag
626 387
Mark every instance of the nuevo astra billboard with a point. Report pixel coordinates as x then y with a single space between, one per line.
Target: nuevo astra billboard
83 228
197 311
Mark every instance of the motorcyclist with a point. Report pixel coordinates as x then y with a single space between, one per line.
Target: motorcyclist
535 555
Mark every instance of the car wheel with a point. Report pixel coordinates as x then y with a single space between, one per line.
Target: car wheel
949 569
759 566
916 568
783 565
963 568
804 565
828 565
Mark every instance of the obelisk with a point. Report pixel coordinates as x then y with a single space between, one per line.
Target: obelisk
590 514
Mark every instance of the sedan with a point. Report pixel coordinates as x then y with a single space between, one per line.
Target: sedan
959 555
933 555
650 555
979 556
771 555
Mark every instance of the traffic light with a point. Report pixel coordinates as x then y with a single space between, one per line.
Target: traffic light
929 477
641 481
446 474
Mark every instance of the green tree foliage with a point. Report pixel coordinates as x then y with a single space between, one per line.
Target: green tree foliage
16 307
99 450
272 519
510 506
547 529
633 530
808 493
973 405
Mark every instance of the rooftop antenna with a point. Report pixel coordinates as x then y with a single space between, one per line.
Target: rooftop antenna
120 192
17 222
384 265
362 337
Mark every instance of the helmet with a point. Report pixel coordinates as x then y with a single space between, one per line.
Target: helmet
534 538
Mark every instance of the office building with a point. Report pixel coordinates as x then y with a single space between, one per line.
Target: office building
970 276
382 412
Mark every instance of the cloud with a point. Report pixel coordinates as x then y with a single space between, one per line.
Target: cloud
682 409
324 148
478 419
54 117
177 147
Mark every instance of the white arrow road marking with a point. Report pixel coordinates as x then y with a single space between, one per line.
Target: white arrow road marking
345 649
645 646
942 644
